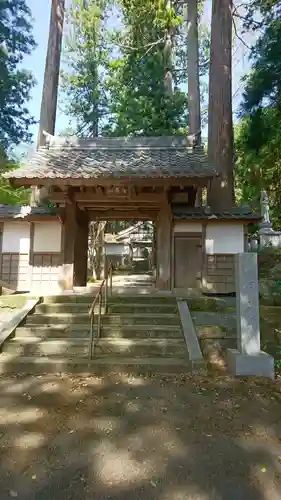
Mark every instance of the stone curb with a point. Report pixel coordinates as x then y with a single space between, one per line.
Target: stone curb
9 326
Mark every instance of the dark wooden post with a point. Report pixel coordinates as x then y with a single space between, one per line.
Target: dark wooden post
163 235
81 248
75 246
51 76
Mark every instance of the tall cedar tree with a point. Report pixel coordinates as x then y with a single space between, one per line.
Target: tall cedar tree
220 125
16 41
145 77
86 57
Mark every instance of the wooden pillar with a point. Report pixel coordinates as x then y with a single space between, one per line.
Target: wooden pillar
75 247
81 249
164 242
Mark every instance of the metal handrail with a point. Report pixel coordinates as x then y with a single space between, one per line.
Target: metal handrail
101 299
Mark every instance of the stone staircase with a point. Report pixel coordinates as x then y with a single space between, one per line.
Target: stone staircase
139 334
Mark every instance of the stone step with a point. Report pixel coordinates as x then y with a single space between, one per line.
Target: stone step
52 319
10 363
142 331
59 330
75 347
114 308
63 307
35 346
140 347
70 298
82 331
143 308
148 319
142 299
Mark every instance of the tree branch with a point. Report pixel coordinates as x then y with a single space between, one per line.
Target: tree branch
235 13
149 45
238 36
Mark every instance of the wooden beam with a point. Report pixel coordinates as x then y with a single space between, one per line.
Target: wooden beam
132 192
121 215
100 192
156 182
92 198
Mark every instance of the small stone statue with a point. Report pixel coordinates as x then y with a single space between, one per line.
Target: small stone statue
265 208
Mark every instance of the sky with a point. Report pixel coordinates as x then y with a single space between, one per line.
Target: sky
36 62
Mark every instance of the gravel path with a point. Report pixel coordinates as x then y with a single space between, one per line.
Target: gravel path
123 438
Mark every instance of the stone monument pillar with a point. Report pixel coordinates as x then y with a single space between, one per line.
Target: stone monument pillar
268 237
248 359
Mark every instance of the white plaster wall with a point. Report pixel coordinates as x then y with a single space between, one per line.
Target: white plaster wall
188 227
16 237
47 236
116 249
224 238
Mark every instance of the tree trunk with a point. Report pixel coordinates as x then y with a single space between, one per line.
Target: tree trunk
51 76
220 125
194 115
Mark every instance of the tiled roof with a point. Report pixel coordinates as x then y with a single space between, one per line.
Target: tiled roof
22 211
243 212
117 157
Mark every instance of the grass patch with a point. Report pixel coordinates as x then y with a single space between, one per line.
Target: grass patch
206 304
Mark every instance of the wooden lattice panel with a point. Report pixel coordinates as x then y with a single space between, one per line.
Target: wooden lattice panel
15 270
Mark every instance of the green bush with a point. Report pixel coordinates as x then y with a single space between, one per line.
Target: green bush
268 258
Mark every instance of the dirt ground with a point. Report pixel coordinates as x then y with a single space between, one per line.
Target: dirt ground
126 438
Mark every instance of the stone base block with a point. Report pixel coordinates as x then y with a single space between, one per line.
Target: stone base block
260 365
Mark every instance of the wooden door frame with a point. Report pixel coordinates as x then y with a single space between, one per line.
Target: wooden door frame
186 235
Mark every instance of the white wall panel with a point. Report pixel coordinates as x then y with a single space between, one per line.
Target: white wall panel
116 249
16 237
224 238
47 236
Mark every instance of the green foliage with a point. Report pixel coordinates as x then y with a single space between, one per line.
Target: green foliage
15 83
258 166
8 195
278 360
140 103
86 54
258 136
117 62
268 259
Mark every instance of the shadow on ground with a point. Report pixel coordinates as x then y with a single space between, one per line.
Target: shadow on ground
126 438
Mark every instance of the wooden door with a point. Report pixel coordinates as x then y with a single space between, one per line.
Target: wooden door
187 261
